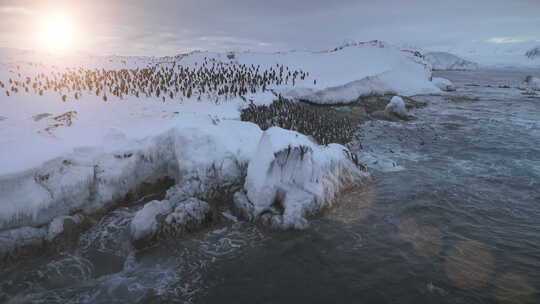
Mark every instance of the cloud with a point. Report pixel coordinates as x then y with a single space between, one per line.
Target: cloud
232 42
507 40
168 27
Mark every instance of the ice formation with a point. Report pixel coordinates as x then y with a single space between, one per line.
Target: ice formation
444 84
166 218
146 222
397 107
290 178
87 179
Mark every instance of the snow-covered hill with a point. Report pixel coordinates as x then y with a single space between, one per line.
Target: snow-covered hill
493 53
160 96
79 133
447 61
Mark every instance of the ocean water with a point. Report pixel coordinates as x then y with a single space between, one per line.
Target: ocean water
452 216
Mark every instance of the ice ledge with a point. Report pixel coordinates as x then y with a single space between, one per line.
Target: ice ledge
87 180
288 178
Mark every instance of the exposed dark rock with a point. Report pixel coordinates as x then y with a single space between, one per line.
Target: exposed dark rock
533 53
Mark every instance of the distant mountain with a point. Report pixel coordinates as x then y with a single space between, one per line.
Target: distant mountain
447 61
533 53
493 54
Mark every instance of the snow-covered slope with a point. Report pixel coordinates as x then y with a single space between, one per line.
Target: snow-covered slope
39 123
346 73
447 61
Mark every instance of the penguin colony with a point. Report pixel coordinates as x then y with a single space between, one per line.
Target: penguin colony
319 122
212 80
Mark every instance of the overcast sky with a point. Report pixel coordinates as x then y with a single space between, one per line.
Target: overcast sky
166 27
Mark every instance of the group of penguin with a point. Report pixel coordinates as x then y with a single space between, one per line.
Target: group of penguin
318 122
210 80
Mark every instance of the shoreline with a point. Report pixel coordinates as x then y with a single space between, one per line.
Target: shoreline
22 243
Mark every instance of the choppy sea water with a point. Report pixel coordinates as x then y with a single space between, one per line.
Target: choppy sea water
452 216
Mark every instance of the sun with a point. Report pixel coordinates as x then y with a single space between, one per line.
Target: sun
57 33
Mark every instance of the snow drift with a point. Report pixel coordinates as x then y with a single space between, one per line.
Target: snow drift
387 83
352 72
447 61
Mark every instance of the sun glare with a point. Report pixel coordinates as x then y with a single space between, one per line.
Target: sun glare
57 33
